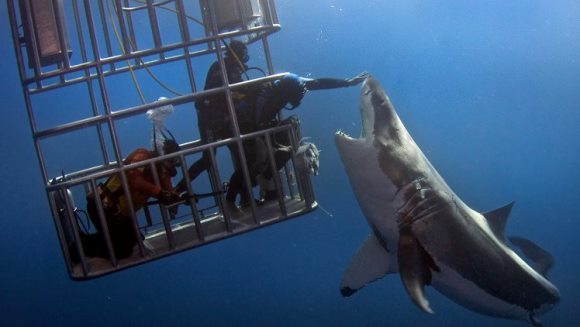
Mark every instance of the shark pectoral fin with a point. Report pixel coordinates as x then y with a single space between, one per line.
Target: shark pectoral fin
414 268
371 262
542 260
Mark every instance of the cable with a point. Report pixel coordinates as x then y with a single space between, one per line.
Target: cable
201 23
168 9
240 63
163 85
85 226
198 22
143 64
122 47
258 69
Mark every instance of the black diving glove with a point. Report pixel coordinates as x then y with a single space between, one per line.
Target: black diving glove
166 197
357 79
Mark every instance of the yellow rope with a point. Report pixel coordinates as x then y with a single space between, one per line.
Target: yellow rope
174 11
200 23
141 61
163 85
147 69
121 46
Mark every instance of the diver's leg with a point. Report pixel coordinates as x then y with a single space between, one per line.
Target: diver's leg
122 236
207 135
234 186
198 167
94 244
93 212
236 183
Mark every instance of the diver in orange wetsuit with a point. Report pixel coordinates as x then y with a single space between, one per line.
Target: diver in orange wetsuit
117 213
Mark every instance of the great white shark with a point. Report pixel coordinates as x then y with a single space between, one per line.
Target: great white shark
422 230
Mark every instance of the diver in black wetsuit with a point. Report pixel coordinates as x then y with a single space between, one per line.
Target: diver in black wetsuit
213 116
267 103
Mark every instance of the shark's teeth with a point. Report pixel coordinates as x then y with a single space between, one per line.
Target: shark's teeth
343 134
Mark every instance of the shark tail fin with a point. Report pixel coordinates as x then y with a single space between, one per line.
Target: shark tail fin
371 262
542 259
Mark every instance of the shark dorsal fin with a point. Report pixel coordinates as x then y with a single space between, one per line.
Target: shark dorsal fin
497 219
542 259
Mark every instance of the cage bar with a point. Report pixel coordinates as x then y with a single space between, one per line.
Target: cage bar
79 46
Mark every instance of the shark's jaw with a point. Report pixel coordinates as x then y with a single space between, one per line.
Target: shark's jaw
368 96
361 158
344 141
380 124
372 102
347 144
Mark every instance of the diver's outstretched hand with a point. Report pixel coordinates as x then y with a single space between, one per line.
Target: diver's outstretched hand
358 79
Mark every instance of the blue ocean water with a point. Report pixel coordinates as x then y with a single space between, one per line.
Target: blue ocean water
489 90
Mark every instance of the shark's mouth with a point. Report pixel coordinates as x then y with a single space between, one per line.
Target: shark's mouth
368 95
343 135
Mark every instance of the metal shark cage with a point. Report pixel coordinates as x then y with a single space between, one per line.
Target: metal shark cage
76 62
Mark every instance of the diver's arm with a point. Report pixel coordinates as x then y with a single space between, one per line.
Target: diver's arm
139 183
333 83
135 177
165 180
325 83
